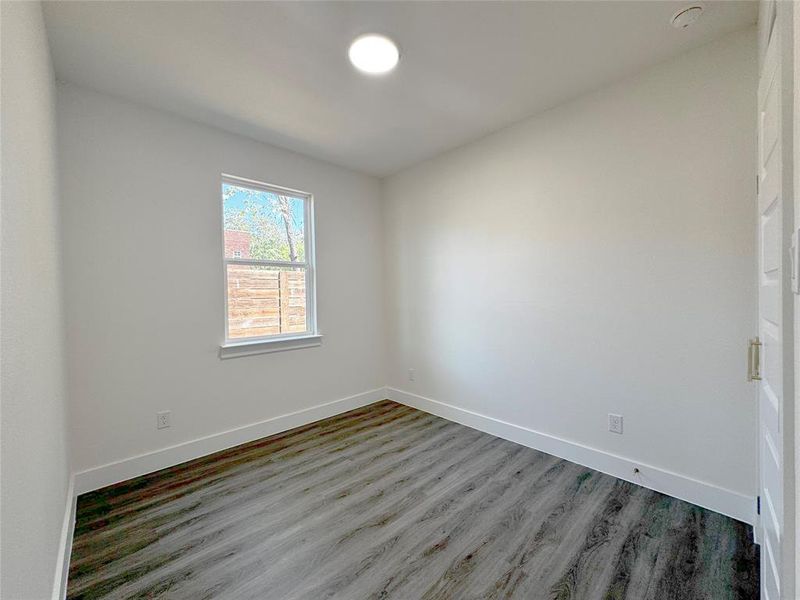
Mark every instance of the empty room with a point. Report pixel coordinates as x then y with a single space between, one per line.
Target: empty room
399 299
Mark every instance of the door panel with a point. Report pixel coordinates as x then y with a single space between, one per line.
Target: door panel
770 322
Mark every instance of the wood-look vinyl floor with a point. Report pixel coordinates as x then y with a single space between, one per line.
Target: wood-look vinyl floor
390 502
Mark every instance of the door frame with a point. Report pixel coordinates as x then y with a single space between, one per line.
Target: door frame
795 42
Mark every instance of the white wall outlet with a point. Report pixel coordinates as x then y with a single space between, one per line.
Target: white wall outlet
614 423
163 419
411 374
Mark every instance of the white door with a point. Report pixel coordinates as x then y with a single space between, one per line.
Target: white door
771 272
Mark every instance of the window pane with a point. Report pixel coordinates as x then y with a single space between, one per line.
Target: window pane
263 225
265 301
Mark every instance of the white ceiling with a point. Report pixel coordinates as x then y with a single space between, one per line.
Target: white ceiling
278 71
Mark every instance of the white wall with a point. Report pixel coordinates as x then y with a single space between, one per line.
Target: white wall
34 460
596 258
144 289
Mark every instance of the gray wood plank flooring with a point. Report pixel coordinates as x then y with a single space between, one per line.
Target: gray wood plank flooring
390 502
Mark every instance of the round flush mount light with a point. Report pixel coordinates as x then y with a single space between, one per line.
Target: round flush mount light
374 54
686 16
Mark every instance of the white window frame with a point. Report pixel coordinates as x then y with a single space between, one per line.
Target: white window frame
287 341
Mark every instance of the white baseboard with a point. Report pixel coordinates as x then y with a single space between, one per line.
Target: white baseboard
707 495
121 470
65 544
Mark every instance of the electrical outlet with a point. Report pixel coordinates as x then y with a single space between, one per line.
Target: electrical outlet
163 419
411 374
614 423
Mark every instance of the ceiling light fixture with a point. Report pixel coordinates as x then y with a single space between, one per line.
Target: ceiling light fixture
686 16
374 54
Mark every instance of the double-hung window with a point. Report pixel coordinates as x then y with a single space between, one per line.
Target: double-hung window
268 238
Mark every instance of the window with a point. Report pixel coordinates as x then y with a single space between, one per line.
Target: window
269 262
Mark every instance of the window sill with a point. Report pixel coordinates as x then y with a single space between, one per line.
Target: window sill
236 349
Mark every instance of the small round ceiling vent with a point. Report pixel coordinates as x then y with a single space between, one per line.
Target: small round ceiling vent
686 16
